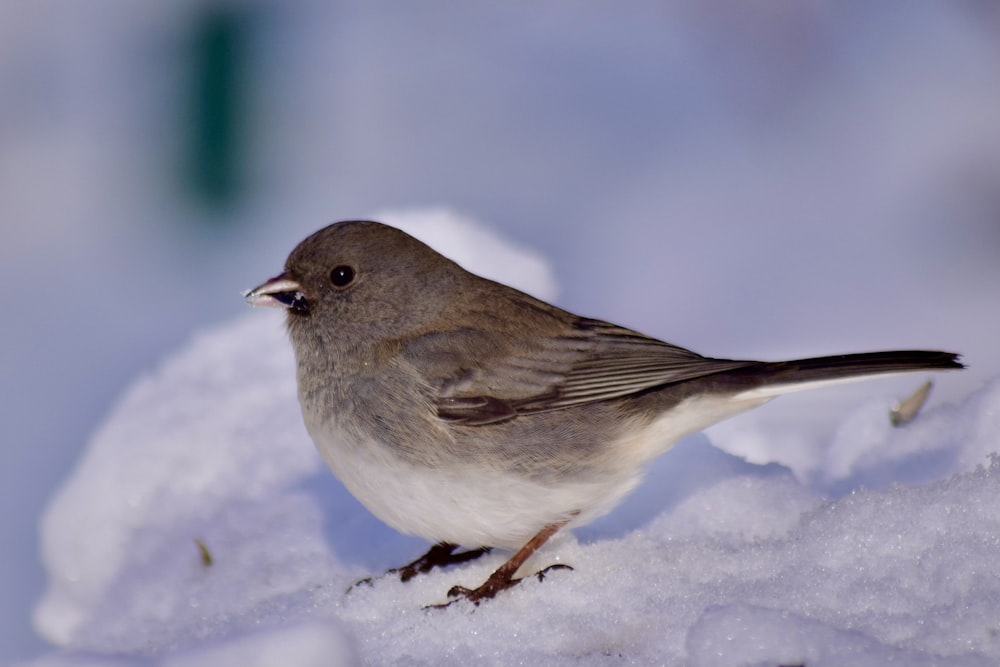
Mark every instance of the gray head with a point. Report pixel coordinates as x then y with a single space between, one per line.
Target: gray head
359 279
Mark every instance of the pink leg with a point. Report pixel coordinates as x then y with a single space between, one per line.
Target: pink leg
503 577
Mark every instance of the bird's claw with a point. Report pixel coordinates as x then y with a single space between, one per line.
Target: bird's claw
491 587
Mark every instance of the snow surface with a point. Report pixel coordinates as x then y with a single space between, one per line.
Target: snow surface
762 180
713 561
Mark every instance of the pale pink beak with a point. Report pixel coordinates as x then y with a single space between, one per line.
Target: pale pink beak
278 292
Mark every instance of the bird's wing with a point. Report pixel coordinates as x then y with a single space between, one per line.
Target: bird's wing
588 361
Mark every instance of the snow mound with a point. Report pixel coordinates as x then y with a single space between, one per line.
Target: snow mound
202 528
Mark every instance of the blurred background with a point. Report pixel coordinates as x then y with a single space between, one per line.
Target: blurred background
766 180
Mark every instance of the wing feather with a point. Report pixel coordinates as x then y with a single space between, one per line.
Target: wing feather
594 361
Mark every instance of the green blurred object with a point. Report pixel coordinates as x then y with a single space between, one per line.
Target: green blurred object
216 136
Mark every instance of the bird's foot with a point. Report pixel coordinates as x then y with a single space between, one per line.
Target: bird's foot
439 555
503 577
498 581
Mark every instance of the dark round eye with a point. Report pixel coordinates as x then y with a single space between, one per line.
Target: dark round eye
342 276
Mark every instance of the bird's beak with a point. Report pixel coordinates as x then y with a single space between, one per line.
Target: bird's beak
279 292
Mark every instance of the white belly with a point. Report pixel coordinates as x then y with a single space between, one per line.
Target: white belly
465 506
478 506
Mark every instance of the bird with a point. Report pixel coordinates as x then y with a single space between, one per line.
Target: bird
478 417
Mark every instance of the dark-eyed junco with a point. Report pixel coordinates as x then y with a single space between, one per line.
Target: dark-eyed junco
469 413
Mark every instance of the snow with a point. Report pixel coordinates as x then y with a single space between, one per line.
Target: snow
879 545
766 181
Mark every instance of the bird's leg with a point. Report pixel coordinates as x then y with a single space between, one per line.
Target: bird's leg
440 555
503 577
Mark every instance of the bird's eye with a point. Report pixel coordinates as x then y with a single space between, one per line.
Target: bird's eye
342 276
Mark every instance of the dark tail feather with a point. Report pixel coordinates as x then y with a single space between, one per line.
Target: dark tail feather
778 377
869 363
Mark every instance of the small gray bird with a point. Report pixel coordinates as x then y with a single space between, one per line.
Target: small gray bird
469 413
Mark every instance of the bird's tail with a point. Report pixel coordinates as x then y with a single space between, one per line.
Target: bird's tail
773 378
